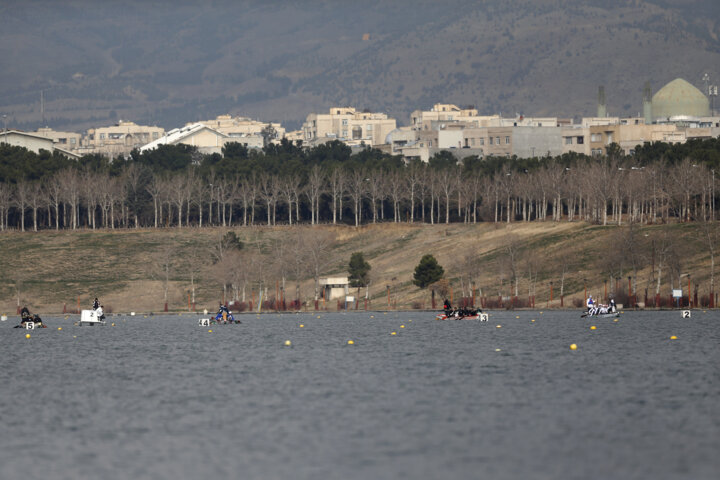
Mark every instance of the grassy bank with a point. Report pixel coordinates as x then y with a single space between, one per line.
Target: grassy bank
49 270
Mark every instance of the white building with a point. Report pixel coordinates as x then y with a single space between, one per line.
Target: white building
33 142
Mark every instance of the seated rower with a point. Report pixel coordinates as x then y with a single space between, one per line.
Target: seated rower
26 316
223 313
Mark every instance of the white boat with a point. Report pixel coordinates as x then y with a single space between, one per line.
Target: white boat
604 312
90 317
601 315
483 317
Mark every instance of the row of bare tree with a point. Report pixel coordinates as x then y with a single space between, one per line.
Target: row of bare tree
259 265
630 261
597 191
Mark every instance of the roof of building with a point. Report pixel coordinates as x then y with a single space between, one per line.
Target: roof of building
176 135
27 134
680 98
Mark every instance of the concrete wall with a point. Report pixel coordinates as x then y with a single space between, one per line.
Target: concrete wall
537 141
451 138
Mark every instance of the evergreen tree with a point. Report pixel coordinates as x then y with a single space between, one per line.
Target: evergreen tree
427 272
359 270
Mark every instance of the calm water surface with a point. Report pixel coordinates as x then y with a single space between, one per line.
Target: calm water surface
162 398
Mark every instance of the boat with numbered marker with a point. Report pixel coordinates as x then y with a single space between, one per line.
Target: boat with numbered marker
30 322
602 311
463 314
91 318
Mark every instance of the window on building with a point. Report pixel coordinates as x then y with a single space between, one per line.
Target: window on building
345 121
482 141
62 140
344 134
429 143
368 127
102 136
155 135
472 142
595 137
507 140
357 133
580 140
568 140
497 140
73 141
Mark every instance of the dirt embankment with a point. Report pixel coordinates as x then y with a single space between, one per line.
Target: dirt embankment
130 269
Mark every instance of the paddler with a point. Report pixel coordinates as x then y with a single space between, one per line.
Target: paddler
224 313
590 304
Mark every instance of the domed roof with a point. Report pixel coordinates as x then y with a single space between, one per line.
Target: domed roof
680 98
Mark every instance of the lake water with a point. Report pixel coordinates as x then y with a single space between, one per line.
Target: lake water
162 398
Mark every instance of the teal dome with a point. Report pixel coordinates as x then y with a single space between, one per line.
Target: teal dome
680 98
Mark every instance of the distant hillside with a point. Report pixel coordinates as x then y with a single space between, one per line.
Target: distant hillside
125 268
167 63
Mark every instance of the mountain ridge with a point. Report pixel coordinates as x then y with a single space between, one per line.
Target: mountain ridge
154 64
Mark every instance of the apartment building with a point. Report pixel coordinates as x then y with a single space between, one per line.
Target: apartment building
246 130
499 141
576 139
629 136
349 126
118 139
446 113
66 140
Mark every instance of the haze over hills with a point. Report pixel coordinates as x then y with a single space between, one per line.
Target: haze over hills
168 63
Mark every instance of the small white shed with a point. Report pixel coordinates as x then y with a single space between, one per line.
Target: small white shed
334 287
